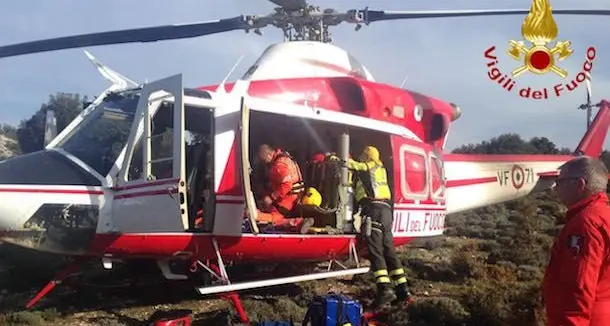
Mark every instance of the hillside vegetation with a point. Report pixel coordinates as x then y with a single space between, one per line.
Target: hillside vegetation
485 270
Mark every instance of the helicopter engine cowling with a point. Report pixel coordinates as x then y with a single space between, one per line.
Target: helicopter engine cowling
457 112
437 120
304 59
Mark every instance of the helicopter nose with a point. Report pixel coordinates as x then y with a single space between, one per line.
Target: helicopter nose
29 181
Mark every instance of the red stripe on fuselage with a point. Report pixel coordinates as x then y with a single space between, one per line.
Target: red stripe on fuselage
450 183
147 193
97 192
146 185
53 191
470 182
548 174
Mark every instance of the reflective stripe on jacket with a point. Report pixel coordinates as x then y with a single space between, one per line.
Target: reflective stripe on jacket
372 181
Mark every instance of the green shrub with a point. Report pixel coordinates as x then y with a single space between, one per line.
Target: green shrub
438 311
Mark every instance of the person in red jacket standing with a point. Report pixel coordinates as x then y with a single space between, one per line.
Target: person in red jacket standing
576 286
286 185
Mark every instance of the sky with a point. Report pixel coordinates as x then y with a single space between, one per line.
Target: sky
442 57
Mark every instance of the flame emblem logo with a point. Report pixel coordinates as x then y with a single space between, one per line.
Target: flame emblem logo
540 29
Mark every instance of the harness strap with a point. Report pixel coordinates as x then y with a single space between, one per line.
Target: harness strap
299 186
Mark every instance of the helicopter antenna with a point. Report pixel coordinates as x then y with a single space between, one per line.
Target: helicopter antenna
221 86
589 94
588 106
404 81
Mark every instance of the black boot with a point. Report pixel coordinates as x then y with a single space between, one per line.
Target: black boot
385 295
402 294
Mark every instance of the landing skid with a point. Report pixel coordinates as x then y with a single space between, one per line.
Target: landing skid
219 273
221 283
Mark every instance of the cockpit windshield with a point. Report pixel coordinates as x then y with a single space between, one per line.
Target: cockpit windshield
100 138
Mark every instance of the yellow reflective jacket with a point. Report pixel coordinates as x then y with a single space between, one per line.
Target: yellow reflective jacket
372 181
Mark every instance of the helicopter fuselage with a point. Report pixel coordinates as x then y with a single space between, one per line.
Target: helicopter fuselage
142 218
164 172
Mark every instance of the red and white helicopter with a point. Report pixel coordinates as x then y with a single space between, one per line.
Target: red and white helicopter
127 178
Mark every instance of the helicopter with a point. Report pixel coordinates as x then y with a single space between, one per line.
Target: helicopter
163 172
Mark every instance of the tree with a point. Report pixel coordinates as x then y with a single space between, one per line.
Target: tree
8 131
543 145
30 133
504 144
513 144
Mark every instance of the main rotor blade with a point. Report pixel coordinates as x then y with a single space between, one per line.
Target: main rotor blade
377 15
147 34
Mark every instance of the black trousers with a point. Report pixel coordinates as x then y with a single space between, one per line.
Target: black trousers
381 242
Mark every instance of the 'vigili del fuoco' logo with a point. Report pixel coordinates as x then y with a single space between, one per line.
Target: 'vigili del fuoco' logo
541 56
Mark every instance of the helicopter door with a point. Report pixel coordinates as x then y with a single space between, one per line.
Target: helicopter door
151 190
245 163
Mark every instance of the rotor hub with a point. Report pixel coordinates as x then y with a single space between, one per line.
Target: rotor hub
304 24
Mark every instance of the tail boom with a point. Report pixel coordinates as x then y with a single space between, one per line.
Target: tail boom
475 181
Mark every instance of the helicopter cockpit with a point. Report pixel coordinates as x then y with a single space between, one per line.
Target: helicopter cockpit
102 136
153 159
106 156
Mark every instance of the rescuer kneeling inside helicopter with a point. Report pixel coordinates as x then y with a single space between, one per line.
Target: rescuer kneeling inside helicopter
286 187
373 195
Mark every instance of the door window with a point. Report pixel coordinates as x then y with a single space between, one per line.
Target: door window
414 172
437 177
161 147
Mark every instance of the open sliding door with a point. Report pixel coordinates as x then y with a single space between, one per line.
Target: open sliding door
244 127
151 189
231 162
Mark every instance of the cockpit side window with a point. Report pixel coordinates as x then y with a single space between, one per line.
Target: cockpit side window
100 138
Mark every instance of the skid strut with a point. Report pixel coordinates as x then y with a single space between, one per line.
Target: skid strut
61 276
219 271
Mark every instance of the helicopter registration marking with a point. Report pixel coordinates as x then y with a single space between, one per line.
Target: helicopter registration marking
418 223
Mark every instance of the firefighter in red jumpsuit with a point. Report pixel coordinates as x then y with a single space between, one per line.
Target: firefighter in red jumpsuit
286 185
576 286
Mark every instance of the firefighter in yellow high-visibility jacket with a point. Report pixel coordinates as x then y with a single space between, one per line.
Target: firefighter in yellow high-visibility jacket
373 197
